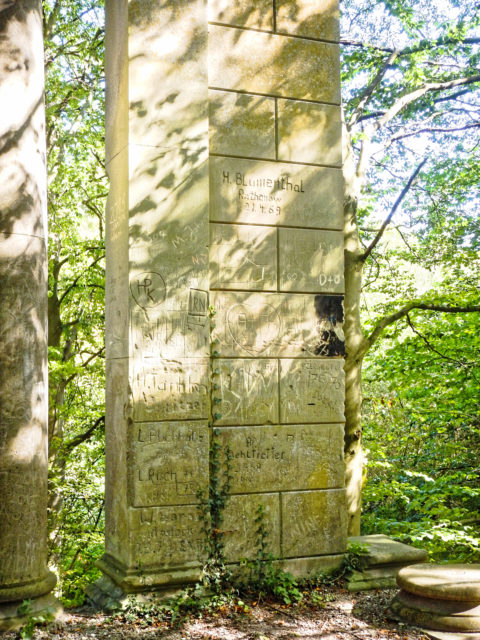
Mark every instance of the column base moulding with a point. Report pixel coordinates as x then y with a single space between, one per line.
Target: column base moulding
46 605
20 591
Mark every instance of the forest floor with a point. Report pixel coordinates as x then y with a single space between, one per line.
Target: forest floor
338 615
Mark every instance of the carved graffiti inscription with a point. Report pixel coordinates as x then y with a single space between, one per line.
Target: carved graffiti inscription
166 536
248 391
282 458
169 462
263 192
170 389
312 391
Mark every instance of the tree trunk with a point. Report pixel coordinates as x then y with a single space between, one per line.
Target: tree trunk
354 343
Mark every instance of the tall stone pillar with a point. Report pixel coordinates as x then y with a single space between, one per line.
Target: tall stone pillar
276 262
267 203
157 290
23 314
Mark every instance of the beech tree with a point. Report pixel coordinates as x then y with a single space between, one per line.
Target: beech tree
411 83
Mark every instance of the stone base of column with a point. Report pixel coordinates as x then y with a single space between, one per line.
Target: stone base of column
21 591
111 591
46 606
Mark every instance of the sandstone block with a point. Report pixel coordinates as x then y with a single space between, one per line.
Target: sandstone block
269 193
248 390
166 537
167 74
116 72
242 13
309 132
311 391
273 64
284 458
241 529
169 462
459 582
441 615
243 257
309 18
267 325
242 124
311 260
116 247
170 389
382 550
314 523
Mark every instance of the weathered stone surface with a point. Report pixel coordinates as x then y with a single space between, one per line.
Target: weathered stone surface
248 390
116 247
310 18
284 458
116 73
46 606
242 13
243 257
160 332
309 132
240 525
167 74
23 311
166 537
382 550
311 260
314 523
261 192
242 124
269 325
119 408
305 567
170 389
169 462
442 615
445 582
163 192
311 391
273 65
448 635
168 218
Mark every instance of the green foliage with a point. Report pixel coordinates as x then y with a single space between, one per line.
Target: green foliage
423 436
77 188
264 576
352 560
36 619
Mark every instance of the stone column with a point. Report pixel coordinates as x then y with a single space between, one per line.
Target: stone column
157 291
23 313
271 199
276 260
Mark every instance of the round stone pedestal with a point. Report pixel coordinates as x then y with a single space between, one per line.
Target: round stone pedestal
440 597
14 615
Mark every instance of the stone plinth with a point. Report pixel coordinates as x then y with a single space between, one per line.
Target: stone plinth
440 597
23 314
381 561
224 194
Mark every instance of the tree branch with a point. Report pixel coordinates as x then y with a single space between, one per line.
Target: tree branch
393 210
435 130
74 442
366 94
401 313
408 98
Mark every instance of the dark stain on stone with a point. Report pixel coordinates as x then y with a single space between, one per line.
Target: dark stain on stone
329 312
